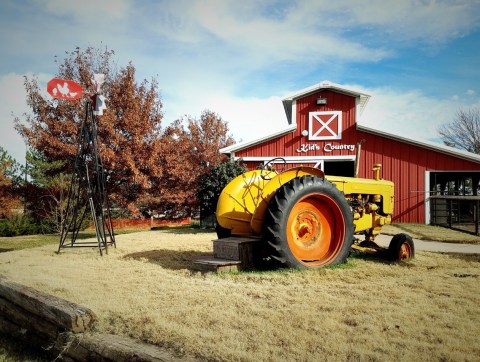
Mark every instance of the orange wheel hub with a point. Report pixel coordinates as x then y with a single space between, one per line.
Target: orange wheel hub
405 252
315 229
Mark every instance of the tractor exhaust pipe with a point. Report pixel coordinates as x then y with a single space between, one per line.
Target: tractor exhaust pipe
357 157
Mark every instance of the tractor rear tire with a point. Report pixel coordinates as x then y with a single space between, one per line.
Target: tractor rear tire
401 248
309 224
222 232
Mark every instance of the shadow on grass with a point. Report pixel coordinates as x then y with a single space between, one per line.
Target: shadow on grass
170 259
380 257
184 259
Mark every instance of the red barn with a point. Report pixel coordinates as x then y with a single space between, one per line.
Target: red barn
323 131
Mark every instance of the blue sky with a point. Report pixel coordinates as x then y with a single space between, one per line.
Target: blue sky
418 59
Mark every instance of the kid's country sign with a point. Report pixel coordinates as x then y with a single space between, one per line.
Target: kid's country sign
327 147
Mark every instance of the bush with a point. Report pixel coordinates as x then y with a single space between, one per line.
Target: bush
24 225
212 184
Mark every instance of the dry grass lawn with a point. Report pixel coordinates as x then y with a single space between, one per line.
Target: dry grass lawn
424 310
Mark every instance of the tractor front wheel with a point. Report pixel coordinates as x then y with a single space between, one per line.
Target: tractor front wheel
309 224
401 248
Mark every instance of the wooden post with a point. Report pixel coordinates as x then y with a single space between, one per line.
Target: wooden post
477 217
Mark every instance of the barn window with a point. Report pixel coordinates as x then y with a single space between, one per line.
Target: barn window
325 125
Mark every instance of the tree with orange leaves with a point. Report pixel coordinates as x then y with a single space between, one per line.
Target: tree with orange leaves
9 198
189 148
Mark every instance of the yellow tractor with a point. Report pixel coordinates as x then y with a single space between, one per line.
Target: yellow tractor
304 219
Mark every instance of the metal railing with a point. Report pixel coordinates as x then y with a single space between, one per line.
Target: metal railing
456 212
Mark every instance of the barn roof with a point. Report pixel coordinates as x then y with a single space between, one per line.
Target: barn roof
447 150
288 100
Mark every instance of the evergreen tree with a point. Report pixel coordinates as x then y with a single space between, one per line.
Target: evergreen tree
213 182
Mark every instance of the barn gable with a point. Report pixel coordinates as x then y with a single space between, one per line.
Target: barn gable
289 102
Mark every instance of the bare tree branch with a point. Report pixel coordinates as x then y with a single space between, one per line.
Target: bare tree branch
464 131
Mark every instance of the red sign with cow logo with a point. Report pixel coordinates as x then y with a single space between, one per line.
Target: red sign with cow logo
64 89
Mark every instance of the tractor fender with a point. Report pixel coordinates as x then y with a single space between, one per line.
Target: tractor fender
271 188
239 198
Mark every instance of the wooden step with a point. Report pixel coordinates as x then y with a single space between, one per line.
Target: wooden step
216 265
234 248
231 254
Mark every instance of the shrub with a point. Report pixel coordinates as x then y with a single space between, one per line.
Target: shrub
24 225
212 184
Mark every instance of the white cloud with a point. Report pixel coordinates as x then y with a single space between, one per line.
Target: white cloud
272 39
410 114
429 21
34 32
12 103
259 33
250 118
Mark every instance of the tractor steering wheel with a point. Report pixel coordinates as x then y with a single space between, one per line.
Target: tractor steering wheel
269 166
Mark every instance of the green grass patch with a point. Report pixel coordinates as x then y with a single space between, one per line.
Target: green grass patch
349 264
284 272
27 241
